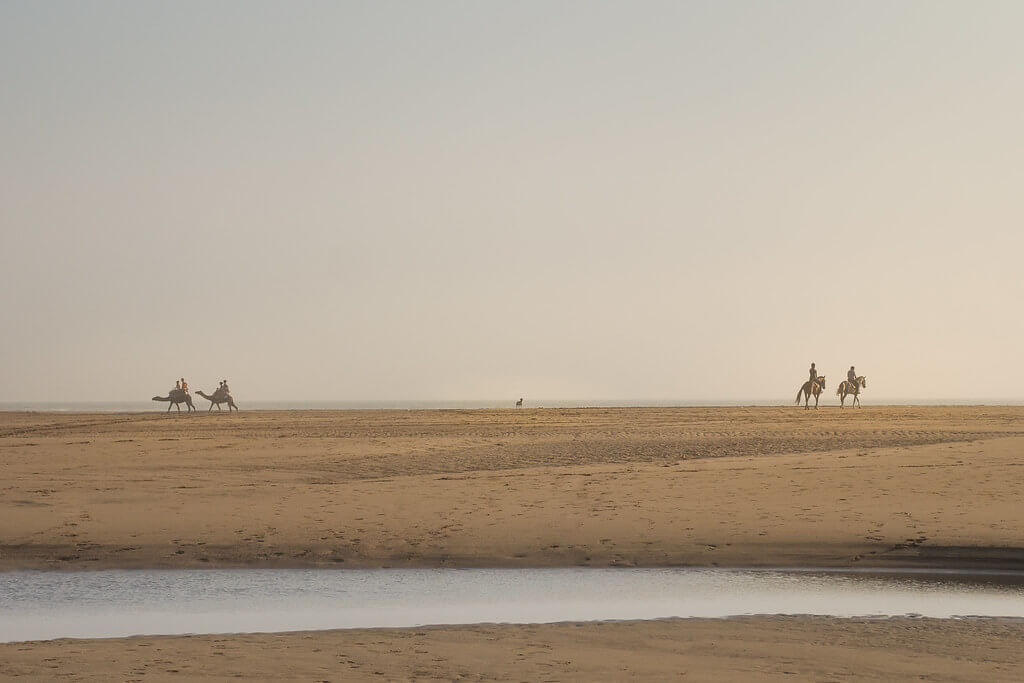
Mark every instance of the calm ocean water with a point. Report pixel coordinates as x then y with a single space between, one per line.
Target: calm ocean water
117 603
145 405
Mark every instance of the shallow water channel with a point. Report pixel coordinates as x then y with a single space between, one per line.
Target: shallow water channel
100 604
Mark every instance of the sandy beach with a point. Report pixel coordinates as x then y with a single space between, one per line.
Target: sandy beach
744 649
930 486
879 486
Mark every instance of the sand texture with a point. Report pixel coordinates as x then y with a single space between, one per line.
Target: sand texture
880 486
746 649
780 486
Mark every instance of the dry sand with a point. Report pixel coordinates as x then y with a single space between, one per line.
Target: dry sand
935 486
646 487
748 649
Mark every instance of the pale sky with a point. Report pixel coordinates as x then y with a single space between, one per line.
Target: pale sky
476 200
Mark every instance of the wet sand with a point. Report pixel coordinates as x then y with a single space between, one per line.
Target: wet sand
744 649
880 486
935 486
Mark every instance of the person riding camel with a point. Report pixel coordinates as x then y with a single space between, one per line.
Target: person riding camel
224 386
177 384
851 375
184 385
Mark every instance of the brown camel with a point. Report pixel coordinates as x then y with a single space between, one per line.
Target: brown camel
218 397
174 398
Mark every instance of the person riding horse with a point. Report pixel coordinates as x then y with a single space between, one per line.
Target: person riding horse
851 387
812 387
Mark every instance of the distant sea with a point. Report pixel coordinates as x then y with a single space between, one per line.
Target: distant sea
134 406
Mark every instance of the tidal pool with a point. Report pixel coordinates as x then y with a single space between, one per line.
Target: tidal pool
39 605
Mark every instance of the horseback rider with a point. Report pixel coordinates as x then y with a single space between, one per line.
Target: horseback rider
814 374
851 376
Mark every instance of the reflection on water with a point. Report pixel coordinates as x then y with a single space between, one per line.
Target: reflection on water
42 605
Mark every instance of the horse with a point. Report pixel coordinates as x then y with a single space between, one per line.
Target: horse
519 403
846 388
811 388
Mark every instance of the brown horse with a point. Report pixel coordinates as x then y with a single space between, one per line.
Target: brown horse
811 389
848 388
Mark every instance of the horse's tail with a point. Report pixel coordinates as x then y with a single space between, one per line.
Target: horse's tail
839 389
799 393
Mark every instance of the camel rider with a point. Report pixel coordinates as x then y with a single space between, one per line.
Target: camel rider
184 385
851 376
814 374
224 385
177 384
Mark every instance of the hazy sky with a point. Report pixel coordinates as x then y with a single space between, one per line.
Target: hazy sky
474 200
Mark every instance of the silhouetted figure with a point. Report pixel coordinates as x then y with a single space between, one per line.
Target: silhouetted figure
174 397
851 387
219 396
811 388
814 374
519 403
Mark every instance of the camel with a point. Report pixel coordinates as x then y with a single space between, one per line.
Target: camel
519 403
811 388
218 397
848 388
175 397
